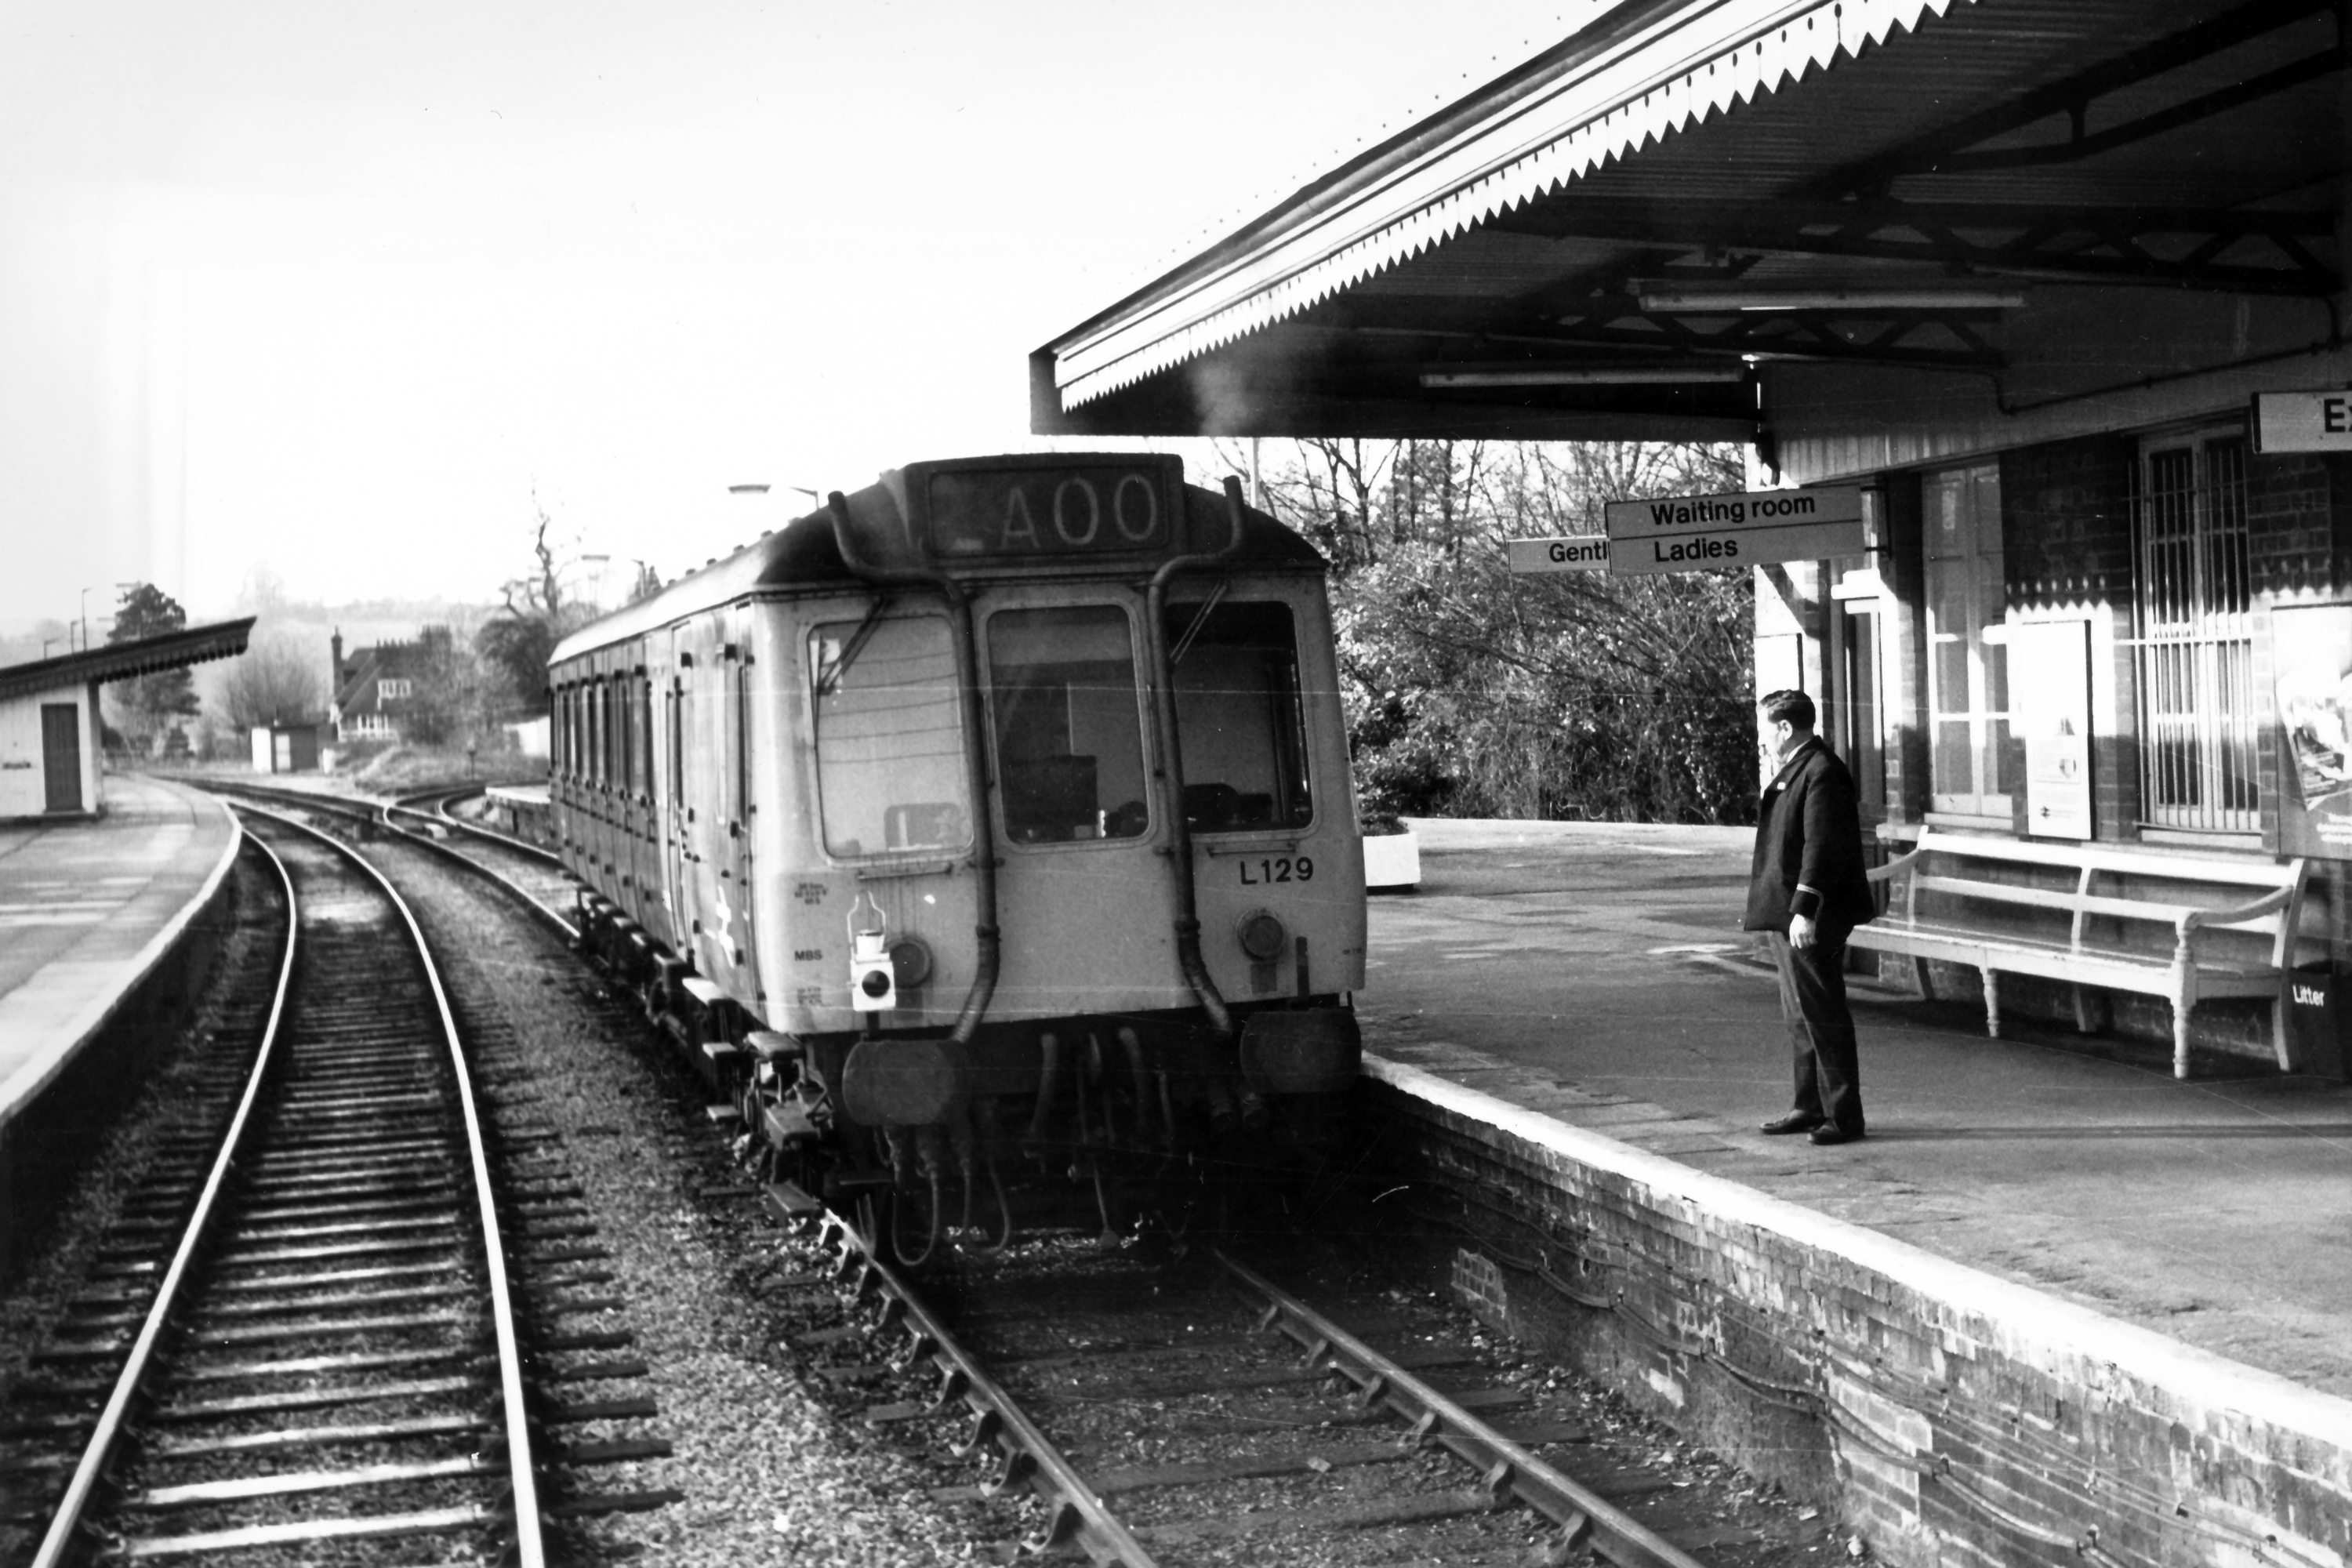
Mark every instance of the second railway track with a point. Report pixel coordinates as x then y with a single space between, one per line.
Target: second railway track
327 1362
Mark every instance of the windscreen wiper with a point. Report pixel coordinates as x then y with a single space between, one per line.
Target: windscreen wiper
828 680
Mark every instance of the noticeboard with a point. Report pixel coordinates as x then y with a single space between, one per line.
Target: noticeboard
2311 652
2052 712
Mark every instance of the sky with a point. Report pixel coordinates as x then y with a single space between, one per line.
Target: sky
346 294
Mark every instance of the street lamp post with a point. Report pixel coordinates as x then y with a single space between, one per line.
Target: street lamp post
85 612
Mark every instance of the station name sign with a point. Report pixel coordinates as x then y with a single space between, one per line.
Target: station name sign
1700 534
2302 421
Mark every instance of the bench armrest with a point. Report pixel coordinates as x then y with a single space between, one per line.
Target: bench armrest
2268 903
1901 864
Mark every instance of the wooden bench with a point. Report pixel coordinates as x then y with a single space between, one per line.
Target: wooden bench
2072 912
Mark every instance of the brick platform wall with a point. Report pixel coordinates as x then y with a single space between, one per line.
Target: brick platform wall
1945 1415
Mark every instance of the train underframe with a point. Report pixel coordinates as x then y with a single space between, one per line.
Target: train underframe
1113 1121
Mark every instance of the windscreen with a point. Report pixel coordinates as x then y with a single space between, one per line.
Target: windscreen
1238 717
889 746
1069 733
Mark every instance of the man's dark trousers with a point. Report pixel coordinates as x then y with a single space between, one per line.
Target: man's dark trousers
1821 1029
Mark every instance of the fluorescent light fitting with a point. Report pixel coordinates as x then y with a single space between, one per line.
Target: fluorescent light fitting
1620 375
1923 298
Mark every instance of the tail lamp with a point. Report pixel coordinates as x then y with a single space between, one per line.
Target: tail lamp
1262 935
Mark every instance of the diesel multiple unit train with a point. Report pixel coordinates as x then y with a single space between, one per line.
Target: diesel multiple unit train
985 834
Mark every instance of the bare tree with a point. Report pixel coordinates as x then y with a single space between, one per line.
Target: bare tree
275 681
537 612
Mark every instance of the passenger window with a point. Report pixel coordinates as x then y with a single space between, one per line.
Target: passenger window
1239 719
890 774
1069 740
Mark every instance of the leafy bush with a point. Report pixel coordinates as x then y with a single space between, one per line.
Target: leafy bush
1472 692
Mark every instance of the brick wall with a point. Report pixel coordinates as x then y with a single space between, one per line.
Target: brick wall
1947 1416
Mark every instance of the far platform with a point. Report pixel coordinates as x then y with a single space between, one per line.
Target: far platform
88 907
1594 973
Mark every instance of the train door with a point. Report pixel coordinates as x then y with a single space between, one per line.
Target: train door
679 882
644 845
737 796
717 908
1077 826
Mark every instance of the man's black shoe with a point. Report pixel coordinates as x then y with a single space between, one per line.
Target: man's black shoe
1825 1133
1795 1121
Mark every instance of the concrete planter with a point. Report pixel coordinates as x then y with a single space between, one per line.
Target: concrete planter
1391 862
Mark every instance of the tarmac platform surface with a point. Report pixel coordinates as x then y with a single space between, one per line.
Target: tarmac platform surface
1605 959
86 907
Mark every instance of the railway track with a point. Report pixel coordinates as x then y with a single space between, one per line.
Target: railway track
307 1341
1206 1414
1144 1416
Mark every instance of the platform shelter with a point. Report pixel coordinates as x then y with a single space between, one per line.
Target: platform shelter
2057 285
49 725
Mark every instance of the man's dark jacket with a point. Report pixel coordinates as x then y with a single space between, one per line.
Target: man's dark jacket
1809 836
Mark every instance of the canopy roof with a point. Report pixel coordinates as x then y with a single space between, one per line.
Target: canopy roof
119 661
1632 233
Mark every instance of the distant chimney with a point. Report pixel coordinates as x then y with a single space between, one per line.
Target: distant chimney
335 664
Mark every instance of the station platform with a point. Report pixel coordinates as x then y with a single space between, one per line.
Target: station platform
93 912
87 906
1571 1008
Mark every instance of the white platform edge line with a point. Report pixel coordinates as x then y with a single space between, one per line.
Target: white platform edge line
20 1087
2035 1326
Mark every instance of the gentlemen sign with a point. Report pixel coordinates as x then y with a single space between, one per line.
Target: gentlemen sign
1581 552
2302 421
1699 533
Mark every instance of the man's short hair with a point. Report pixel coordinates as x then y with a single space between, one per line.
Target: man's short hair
1789 704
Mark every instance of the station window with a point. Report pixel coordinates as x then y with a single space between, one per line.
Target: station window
1967 676
2201 722
1069 731
1238 716
888 711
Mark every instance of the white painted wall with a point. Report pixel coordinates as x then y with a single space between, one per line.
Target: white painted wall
24 791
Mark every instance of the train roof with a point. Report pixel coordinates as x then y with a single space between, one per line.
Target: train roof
803 554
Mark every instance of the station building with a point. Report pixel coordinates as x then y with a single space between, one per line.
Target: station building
2058 284
50 730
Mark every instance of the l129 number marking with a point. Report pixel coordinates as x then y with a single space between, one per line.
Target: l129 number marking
1280 868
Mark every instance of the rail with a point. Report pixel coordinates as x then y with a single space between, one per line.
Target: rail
1076 1517
1507 1469
66 1525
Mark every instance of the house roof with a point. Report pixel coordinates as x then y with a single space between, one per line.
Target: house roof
393 660
1532 261
120 661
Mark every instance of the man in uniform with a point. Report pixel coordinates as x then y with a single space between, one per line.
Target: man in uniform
1808 890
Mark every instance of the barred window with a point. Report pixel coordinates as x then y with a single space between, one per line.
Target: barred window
2199 719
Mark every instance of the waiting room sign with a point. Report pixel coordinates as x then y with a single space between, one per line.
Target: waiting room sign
1703 533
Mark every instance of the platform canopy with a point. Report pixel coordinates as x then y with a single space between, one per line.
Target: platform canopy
120 661
1697 208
